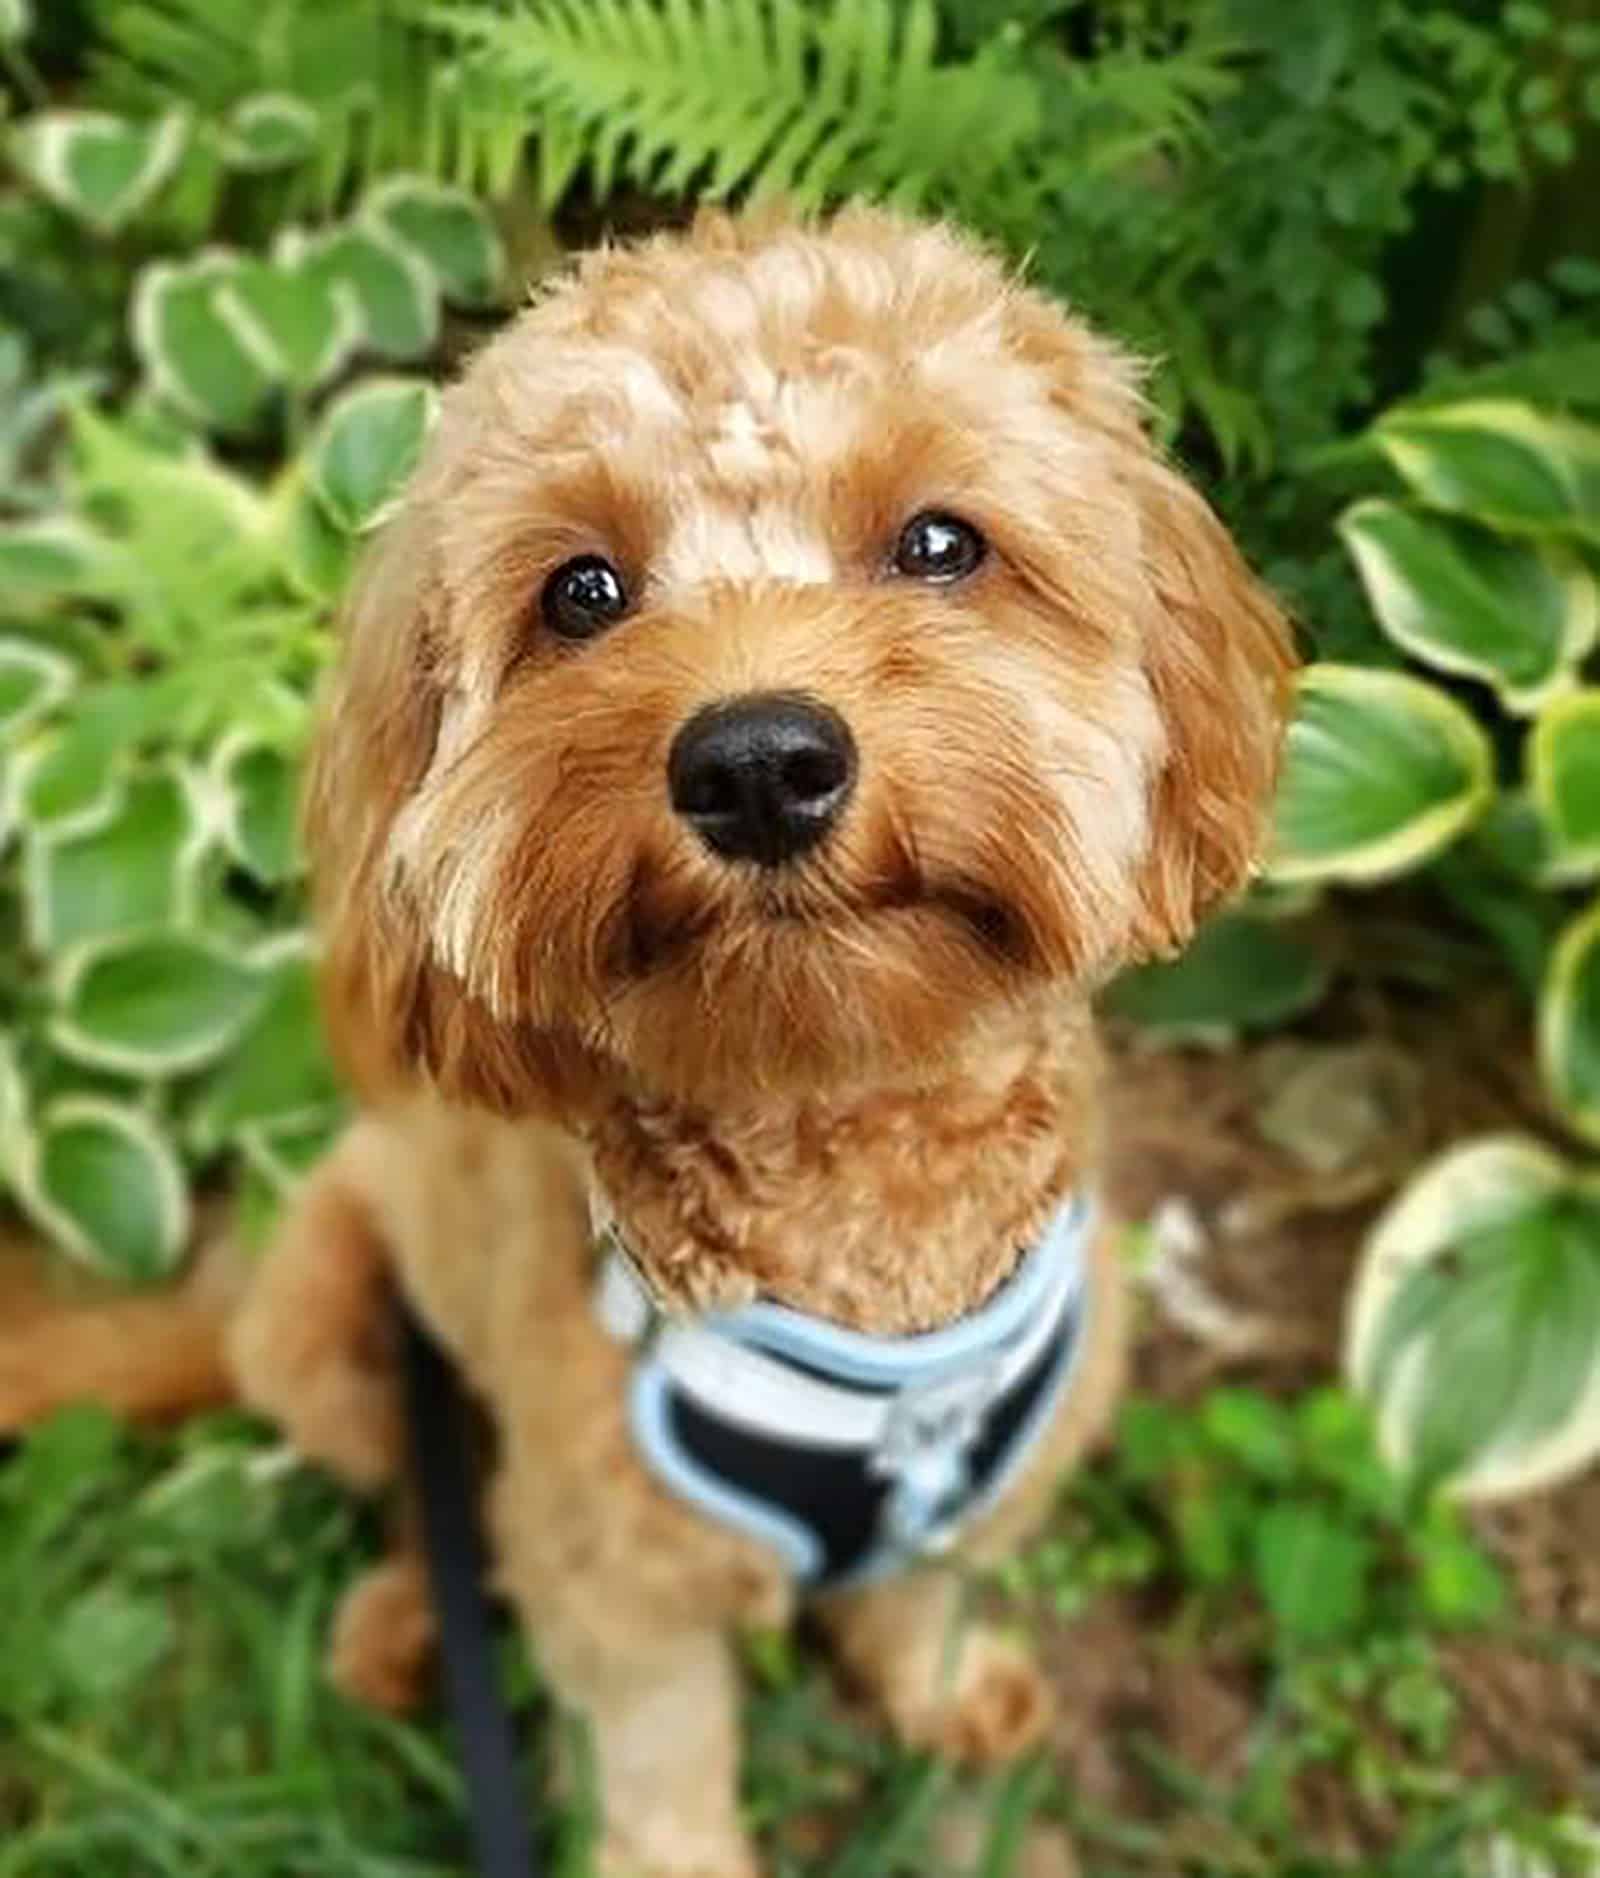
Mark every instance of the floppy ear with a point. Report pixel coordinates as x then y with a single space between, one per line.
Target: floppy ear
1219 657
378 722
393 1014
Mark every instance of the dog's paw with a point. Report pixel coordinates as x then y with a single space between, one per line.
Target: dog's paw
383 1638
997 1706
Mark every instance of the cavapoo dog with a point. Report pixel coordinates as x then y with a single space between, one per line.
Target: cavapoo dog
790 686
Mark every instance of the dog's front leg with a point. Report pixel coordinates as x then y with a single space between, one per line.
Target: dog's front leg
940 1680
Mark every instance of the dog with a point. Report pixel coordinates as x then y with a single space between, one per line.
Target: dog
791 684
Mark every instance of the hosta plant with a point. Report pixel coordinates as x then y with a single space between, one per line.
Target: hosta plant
165 625
1475 1321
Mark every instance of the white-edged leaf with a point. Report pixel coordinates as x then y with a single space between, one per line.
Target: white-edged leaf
13 1112
259 789
1500 462
316 556
103 1181
124 865
270 130
1569 1024
33 680
394 288
367 445
1381 770
279 1073
16 21
1517 614
100 168
190 350
1474 1322
50 557
1563 760
296 323
151 1004
285 1155
449 230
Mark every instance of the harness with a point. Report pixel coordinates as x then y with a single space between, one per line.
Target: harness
850 1455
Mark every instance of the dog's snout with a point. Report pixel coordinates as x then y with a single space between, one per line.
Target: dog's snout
762 778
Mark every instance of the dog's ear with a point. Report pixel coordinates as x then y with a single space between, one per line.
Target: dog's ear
1219 657
378 723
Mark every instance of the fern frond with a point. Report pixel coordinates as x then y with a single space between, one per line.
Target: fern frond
769 95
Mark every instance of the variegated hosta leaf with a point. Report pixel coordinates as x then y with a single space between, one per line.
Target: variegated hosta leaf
33 680
1240 973
296 324
316 555
150 1005
48 558
1381 770
99 168
278 1074
1569 1024
449 230
1500 462
1517 614
103 1181
1474 1323
269 131
126 864
189 348
259 788
1564 779
367 445
395 289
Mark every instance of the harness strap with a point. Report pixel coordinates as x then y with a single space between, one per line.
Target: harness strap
453 1542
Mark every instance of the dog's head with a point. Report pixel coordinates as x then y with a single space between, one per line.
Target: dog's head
790 652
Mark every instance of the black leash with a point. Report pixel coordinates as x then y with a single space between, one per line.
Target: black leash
441 1446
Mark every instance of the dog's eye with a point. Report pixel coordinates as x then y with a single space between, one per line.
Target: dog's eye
937 546
583 597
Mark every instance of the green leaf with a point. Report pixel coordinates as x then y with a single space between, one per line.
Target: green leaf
193 353
270 130
33 680
1241 973
260 790
1563 758
1500 462
154 1005
103 1181
316 556
1457 1580
110 1639
1381 771
1518 615
395 290
99 168
367 445
296 323
1569 1024
50 558
124 866
279 1071
448 230
1474 1325
1312 1569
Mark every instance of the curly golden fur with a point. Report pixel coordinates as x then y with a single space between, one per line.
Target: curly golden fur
856 1083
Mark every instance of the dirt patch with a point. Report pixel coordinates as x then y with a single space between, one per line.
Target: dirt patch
1267 1197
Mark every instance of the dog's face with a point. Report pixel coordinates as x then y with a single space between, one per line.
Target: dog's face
789 653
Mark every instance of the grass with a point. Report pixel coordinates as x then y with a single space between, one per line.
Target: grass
163 1714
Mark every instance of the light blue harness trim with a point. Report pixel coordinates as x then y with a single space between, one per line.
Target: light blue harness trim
894 1377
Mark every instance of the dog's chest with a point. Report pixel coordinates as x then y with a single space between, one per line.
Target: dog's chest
851 1456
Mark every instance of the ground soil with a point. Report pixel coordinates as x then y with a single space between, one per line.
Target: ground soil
1220 1143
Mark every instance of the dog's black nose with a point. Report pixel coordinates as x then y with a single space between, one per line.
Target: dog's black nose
762 778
